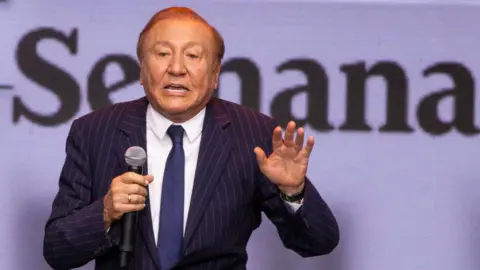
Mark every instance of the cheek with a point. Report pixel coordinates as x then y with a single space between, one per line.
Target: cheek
154 72
201 78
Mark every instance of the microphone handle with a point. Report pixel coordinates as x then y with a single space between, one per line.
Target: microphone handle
128 228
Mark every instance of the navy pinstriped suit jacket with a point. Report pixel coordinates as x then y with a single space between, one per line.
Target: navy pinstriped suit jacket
228 196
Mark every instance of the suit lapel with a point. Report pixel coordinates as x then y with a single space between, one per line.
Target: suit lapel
215 149
133 133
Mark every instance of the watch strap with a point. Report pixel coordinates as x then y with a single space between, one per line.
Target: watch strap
294 198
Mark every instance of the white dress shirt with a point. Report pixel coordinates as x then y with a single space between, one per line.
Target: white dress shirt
159 145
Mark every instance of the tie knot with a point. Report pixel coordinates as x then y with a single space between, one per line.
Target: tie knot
176 134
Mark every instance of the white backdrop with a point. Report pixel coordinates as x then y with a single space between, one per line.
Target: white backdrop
404 200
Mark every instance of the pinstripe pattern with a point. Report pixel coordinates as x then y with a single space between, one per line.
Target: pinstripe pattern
228 196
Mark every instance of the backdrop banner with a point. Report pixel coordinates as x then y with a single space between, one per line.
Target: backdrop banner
387 89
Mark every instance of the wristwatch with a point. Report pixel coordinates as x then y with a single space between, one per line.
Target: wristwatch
294 198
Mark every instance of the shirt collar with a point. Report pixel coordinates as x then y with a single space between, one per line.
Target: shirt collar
159 124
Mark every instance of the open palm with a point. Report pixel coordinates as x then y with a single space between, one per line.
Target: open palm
287 165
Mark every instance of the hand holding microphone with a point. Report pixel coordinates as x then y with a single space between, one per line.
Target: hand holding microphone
127 193
126 196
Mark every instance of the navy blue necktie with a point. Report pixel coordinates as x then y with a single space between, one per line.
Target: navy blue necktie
170 231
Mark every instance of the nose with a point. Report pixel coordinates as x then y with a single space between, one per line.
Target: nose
177 66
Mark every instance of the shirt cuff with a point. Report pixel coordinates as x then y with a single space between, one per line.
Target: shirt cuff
293 207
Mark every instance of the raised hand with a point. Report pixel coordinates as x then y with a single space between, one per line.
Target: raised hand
287 165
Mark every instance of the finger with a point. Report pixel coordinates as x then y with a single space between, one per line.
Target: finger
289 133
134 199
128 207
299 139
309 147
131 178
277 140
123 198
148 179
261 157
134 189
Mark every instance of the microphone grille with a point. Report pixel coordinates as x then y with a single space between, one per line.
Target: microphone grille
135 156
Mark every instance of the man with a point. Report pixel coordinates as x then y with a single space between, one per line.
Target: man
229 163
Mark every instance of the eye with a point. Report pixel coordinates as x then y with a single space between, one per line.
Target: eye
192 56
162 54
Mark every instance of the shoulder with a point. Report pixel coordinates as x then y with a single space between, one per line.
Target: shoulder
245 117
107 117
94 128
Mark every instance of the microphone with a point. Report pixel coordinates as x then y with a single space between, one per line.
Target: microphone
135 157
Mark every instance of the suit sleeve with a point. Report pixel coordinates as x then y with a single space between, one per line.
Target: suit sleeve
74 232
312 230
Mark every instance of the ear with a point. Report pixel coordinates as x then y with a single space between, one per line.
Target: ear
216 76
141 73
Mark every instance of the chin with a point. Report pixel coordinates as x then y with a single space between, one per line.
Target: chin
175 106
169 104
175 110
172 108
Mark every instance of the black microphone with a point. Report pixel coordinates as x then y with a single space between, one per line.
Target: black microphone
135 157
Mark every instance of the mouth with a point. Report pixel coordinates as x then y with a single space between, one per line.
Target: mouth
175 88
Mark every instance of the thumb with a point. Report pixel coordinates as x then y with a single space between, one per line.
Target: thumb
261 157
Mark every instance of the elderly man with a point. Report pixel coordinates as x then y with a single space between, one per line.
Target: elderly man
229 162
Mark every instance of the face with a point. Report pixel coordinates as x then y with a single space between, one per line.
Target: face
178 68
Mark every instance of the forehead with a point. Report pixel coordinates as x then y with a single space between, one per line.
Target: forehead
179 31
